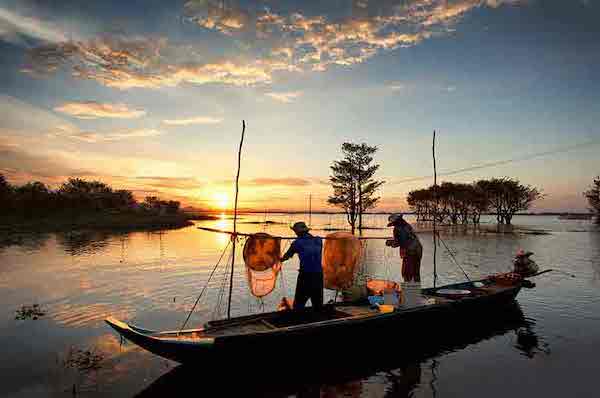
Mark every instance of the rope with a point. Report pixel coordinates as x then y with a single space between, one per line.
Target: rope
453 258
221 293
204 288
283 284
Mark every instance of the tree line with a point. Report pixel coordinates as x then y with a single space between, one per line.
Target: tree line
458 203
74 195
355 191
593 197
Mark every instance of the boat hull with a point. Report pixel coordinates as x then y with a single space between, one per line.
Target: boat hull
333 336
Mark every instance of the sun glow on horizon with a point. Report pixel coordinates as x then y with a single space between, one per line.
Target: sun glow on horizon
221 200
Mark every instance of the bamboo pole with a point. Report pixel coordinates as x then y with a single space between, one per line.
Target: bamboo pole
434 213
235 207
309 210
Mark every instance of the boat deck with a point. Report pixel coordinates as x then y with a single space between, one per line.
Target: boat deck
283 319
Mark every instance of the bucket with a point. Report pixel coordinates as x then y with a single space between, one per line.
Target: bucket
391 297
411 292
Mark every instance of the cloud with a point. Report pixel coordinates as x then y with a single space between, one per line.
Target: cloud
141 63
15 27
220 16
27 119
292 42
290 181
95 110
182 183
396 86
20 165
285 97
193 120
92 137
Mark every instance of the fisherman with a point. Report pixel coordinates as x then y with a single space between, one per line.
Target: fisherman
310 276
524 266
411 250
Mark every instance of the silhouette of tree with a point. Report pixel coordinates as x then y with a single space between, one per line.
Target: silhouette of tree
353 182
593 197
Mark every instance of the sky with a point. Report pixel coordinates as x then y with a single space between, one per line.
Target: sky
150 95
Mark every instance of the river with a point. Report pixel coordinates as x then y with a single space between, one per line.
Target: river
152 280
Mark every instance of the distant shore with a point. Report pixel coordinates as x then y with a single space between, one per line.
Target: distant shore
123 221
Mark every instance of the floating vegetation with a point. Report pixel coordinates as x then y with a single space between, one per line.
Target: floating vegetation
29 312
83 360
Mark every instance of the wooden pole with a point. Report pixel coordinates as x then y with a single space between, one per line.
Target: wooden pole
434 213
235 207
309 209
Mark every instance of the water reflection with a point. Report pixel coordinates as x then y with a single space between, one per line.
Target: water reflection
529 343
398 368
78 243
27 241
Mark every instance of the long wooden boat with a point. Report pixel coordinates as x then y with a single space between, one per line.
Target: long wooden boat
335 328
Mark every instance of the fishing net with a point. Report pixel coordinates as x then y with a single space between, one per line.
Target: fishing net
262 253
262 283
341 255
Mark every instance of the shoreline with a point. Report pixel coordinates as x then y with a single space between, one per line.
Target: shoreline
98 221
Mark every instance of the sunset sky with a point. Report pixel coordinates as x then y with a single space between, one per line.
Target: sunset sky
149 95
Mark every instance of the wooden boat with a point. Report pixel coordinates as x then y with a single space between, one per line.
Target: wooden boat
309 332
360 363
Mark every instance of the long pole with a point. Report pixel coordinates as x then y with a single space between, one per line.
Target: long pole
434 213
235 207
309 209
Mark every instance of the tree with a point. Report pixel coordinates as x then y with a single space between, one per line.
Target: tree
353 182
86 195
507 196
34 197
5 195
593 197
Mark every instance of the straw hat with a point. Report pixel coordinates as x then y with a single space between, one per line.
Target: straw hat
394 218
523 253
300 227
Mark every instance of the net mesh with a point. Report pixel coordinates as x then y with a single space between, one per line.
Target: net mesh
262 253
262 283
341 255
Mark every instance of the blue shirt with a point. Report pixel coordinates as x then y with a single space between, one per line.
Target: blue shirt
309 250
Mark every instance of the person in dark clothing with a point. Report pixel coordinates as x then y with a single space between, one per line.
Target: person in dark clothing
411 249
310 276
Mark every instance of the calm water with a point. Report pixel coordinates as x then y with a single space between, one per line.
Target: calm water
152 279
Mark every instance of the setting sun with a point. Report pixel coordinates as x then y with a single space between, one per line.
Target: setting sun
220 200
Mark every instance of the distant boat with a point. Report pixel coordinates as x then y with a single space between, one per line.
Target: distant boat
576 216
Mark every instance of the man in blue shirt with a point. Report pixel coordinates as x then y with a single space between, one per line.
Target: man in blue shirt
310 276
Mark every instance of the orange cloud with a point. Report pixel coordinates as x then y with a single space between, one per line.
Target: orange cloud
92 137
95 110
291 181
293 43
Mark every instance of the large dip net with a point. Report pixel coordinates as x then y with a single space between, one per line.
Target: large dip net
341 255
261 256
